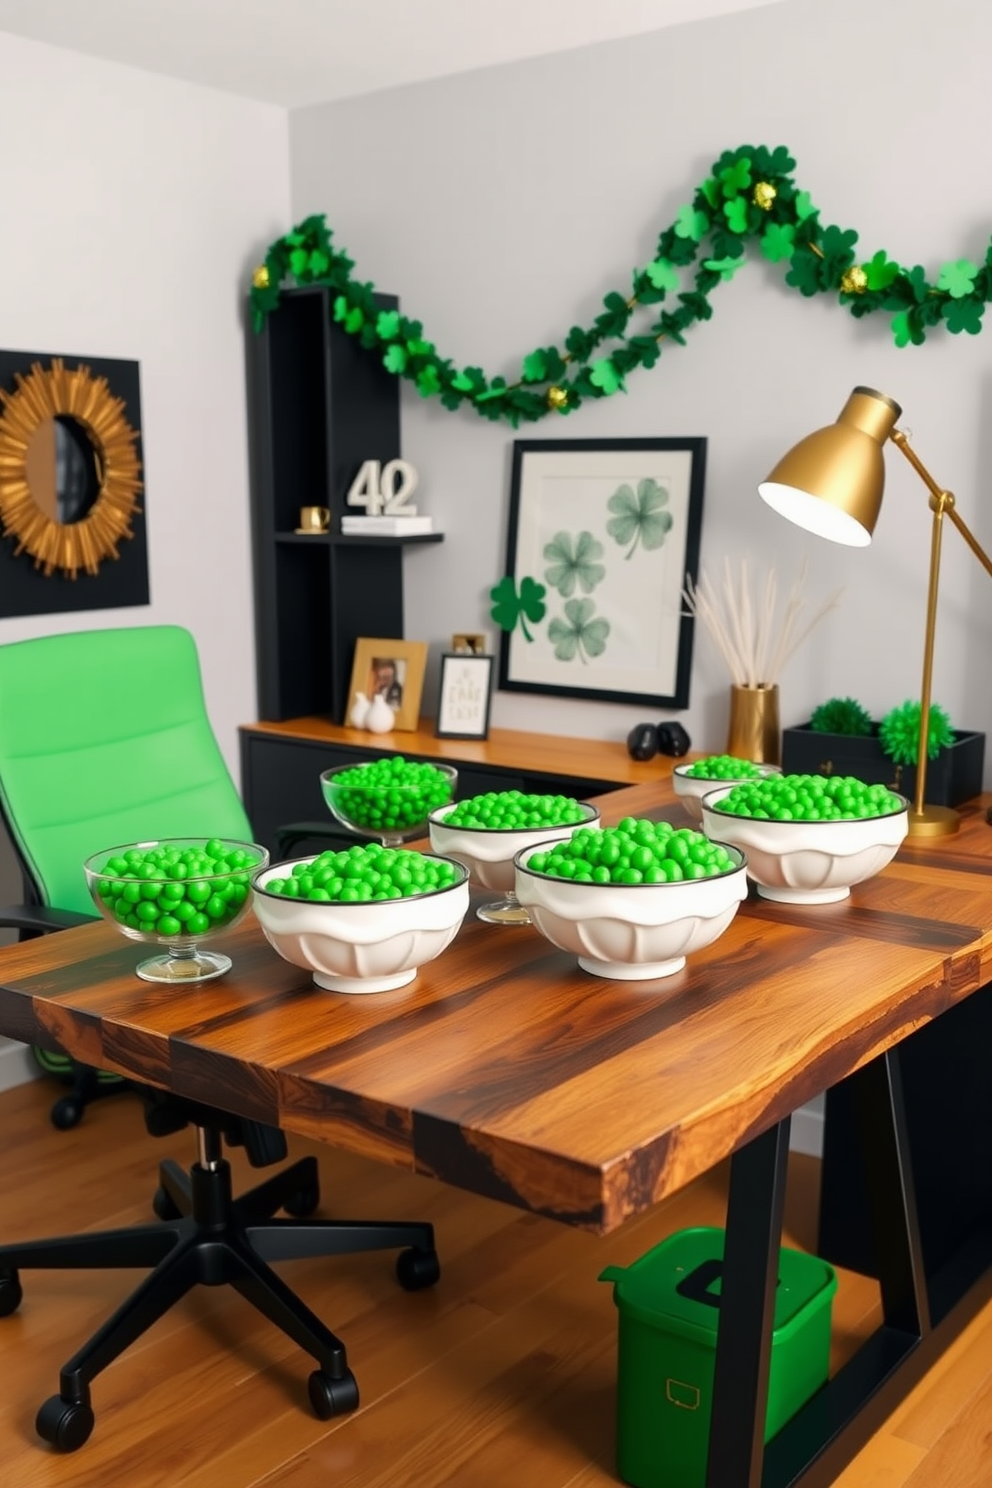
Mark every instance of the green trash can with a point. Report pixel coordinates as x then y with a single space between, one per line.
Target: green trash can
668 1306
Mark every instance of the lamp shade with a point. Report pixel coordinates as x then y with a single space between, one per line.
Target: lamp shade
831 482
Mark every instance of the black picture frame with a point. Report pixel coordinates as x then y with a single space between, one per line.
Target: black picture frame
464 696
587 500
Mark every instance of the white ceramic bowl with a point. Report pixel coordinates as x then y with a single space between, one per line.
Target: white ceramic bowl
374 945
488 854
691 789
808 862
631 932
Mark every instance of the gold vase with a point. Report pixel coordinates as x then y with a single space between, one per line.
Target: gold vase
754 732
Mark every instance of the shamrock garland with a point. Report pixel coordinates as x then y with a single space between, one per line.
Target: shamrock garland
750 196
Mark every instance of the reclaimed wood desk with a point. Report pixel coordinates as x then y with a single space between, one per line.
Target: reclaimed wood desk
510 1072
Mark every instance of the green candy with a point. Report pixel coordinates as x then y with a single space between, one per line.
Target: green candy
515 811
722 767
633 852
172 892
358 875
388 795
809 798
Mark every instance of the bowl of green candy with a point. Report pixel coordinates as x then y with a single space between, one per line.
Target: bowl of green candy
634 900
809 838
362 919
389 798
691 782
486 832
175 893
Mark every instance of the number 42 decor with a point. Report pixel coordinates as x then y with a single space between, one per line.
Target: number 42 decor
603 538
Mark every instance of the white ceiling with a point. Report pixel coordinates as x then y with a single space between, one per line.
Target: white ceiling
299 52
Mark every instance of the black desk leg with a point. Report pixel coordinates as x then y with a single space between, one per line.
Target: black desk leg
881 1117
747 1310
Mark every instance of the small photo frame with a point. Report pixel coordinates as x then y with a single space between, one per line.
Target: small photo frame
469 642
393 669
463 696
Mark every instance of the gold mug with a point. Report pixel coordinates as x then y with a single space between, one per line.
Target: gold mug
314 519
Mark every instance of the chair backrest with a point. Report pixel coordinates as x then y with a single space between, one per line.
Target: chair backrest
105 739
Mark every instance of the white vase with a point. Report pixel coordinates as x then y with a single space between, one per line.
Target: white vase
359 711
380 717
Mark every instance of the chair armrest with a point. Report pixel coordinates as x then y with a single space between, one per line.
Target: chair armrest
286 837
40 919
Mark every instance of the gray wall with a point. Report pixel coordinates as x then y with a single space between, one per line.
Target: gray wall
502 205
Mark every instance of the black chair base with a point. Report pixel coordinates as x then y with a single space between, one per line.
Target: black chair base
86 1085
205 1236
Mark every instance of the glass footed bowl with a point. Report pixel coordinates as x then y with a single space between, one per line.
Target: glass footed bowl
390 799
175 892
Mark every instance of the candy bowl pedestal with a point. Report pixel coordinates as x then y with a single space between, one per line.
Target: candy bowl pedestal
175 893
389 811
488 854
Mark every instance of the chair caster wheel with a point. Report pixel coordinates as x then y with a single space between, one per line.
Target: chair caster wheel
416 1269
65 1424
164 1206
302 1203
11 1292
332 1397
67 1113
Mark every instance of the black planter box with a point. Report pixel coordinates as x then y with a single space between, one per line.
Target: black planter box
954 776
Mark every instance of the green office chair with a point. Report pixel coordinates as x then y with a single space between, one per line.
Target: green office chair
105 739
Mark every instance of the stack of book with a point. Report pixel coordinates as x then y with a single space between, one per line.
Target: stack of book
386 526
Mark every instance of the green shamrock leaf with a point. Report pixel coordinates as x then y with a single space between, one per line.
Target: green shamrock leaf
725 267
804 206
428 381
509 607
736 214
535 368
778 241
350 316
574 563
472 380
604 375
964 315
958 278
298 260
579 634
690 223
395 360
804 272
417 346
880 270
906 329
387 324
736 178
775 162
711 193
639 516
319 262
662 274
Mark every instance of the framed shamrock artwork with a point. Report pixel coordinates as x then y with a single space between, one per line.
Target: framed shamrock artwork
602 537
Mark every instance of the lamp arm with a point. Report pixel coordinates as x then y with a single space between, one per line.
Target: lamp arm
941 504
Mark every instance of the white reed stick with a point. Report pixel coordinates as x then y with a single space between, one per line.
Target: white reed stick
744 631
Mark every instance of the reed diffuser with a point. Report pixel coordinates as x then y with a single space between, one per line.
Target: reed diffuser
756 641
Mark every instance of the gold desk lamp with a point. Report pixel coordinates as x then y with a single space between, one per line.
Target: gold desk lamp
831 483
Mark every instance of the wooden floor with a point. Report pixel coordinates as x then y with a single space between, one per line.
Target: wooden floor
500 1377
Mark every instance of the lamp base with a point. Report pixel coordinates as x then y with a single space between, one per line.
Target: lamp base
933 821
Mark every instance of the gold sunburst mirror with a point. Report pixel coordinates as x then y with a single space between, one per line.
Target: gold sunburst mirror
69 470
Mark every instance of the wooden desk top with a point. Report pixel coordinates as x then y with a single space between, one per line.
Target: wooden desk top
508 749
505 1069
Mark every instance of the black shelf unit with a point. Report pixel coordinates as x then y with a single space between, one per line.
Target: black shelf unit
320 406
